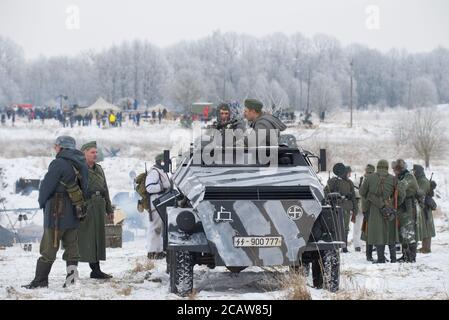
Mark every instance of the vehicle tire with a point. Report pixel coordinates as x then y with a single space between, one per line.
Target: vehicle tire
181 272
331 270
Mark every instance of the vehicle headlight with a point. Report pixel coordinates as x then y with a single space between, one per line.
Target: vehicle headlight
186 221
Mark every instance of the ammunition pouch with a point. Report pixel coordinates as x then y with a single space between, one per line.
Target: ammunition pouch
75 193
388 213
77 199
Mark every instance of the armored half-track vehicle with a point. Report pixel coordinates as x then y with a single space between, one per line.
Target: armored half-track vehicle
238 215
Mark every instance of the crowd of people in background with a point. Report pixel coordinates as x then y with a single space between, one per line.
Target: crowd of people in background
74 116
68 117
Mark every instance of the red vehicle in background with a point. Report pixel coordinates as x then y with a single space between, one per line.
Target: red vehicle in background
202 111
25 106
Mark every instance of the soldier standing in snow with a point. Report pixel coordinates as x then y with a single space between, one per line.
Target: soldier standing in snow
157 181
357 219
369 169
65 180
407 211
344 186
380 191
426 226
92 238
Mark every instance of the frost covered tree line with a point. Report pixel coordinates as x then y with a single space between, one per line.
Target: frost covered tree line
293 72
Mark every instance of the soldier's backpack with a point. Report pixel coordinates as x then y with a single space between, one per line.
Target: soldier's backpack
139 186
141 189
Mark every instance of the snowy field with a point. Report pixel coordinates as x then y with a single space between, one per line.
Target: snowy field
26 150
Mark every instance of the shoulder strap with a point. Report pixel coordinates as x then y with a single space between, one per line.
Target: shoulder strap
77 177
396 192
332 184
159 180
382 186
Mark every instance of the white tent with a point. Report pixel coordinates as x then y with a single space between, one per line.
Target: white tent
100 105
157 108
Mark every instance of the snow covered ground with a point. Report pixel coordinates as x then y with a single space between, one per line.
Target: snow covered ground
25 151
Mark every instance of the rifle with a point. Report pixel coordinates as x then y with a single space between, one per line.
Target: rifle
395 200
360 182
429 203
149 197
430 193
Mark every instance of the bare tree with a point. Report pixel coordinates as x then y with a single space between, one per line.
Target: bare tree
272 95
282 70
422 93
11 67
187 87
324 94
427 134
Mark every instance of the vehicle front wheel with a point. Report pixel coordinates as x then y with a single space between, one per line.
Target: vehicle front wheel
181 272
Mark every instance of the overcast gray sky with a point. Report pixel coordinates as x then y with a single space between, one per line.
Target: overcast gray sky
52 27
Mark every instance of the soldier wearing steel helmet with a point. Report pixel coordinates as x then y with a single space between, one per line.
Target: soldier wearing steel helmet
407 211
379 191
342 184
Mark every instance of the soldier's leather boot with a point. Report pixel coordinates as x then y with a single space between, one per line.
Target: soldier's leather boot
380 254
392 248
97 273
412 252
41 277
405 254
425 246
369 252
72 274
429 245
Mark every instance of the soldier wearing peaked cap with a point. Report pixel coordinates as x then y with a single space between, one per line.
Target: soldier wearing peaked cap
263 122
92 238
